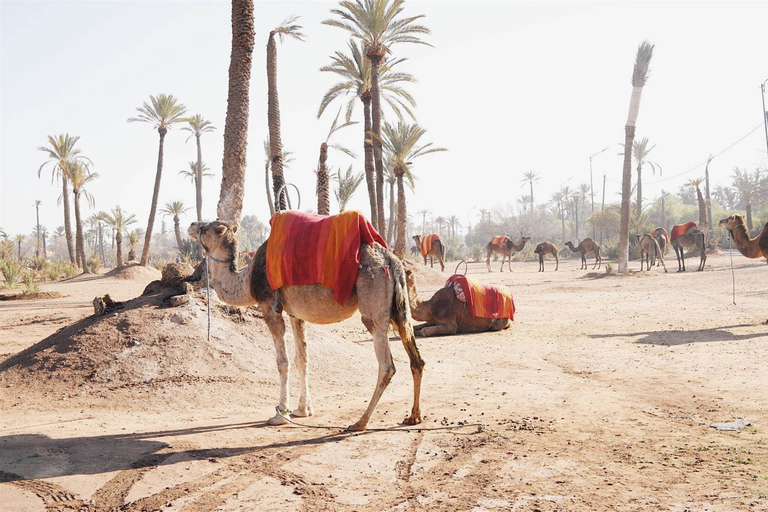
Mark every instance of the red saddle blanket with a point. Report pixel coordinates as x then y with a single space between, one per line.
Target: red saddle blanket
663 231
483 300
500 241
427 241
682 229
305 248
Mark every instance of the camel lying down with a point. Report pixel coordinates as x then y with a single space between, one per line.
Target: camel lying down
445 314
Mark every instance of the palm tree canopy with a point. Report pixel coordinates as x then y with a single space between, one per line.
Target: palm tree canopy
174 208
531 176
642 61
60 152
79 175
162 111
401 143
192 172
347 185
289 28
198 125
120 219
287 156
335 126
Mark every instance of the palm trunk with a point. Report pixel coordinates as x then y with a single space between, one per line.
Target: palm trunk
639 207
177 231
531 196
45 249
377 158
576 216
370 171
273 119
709 197
67 222
749 216
199 180
402 218
79 240
119 242
236 125
323 194
269 193
392 213
101 245
625 195
153 208
37 247
702 209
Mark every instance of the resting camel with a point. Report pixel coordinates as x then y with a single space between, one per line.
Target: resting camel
692 238
381 300
445 314
585 247
750 247
506 248
435 250
649 250
662 238
546 248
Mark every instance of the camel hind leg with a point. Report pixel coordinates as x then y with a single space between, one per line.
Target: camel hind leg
488 257
300 362
276 327
703 250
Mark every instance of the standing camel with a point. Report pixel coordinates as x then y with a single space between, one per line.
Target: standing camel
662 238
546 248
506 247
750 247
585 247
649 251
685 236
379 293
432 246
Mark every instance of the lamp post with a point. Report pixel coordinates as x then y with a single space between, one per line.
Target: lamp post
765 114
592 188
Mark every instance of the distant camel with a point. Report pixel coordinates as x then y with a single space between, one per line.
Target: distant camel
685 236
649 250
585 247
506 247
432 246
662 238
546 248
750 247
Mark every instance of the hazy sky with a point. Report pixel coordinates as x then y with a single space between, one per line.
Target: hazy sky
507 87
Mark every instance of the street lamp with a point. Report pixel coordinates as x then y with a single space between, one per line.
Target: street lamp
765 114
591 186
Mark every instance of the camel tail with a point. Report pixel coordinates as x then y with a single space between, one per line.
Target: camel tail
401 309
442 250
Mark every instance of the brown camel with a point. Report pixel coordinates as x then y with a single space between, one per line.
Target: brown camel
546 248
585 247
750 247
444 314
693 238
436 250
649 250
506 249
381 299
662 238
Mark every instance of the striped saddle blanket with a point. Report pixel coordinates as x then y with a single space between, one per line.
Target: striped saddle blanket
483 300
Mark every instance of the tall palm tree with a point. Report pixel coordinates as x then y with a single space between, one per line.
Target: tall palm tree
162 112
286 158
531 177
97 221
639 77
391 180
60 153
347 184
236 124
423 214
558 200
747 188
700 199
323 194
79 174
19 238
37 226
291 29
198 125
576 201
378 24
192 173
401 143
120 220
355 71
175 209
640 152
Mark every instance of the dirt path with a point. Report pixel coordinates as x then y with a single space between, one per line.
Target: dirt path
599 397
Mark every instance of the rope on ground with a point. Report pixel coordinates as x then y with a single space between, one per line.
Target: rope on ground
480 426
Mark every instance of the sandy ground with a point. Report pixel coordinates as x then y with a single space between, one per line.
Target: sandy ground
599 397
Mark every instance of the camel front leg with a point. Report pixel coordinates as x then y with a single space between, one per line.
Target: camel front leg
386 369
557 262
300 362
541 263
488 259
584 261
597 258
276 327
445 329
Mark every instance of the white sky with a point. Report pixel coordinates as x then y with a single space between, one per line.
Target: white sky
508 87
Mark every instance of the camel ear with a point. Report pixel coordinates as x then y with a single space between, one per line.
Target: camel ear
221 229
233 227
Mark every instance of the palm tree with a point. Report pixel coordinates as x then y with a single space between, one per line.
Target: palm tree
355 71
558 200
700 199
198 125
97 221
287 28
747 188
639 77
19 238
133 240
379 26
640 151
286 158
236 124
37 225
162 112
323 195
423 214
347 185
119 220
175 209
401 142
531 177
576 201
79 174
60 153
196 175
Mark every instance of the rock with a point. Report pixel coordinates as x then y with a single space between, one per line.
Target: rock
175 273
103 305
178 300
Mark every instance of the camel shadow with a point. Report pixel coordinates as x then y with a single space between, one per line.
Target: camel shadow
35 456
671 338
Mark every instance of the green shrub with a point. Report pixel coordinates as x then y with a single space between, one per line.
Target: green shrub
66 268
160 263
12 269
39 264
94 263
30 282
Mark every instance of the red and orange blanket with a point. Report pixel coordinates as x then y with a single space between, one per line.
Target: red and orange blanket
427 241
483 300
663 231
500 241
305 248
682 229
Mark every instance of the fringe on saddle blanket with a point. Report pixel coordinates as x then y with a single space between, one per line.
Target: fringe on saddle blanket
426 243
483 300
682 229
305 248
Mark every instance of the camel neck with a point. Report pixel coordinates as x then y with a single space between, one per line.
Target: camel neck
233 287
746 246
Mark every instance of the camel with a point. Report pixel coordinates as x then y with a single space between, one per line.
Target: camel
381 299
662 238
436 250
546 248
445 314
693 238
585 247
649 250
506 249
750 247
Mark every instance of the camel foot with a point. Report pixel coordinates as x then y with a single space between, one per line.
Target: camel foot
412 419
276 420
359 426
302 412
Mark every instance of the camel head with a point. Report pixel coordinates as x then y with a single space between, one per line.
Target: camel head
731 222
417 239
539 248
214 234
410 282
525 239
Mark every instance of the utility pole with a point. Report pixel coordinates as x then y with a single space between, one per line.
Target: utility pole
765 114
709 200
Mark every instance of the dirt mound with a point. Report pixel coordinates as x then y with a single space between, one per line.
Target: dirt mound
134 271
32 296
426 276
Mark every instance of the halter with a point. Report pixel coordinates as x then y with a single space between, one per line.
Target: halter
217 259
